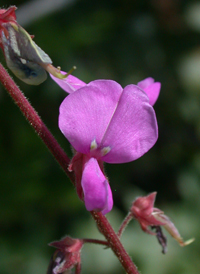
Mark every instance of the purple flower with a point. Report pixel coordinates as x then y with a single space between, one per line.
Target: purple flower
69 84
72 83
105 123
152 89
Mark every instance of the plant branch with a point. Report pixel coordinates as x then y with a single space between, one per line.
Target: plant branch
95 241
114 242
35 121
125 222
63 160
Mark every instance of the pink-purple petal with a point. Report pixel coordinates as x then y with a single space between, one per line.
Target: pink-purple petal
133 128
86 113
97 192
153 92
69 84
145 83
151 88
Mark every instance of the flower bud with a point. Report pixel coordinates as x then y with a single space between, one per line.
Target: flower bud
23 56
66 256
148 216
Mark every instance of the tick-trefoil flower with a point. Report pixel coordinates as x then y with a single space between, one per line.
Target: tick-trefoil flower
66 256
23 56
68 84
105 123
148 216
151 88
72 83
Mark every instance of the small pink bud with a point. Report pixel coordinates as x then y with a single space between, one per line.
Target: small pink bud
148 216
5 17
142 209
66 256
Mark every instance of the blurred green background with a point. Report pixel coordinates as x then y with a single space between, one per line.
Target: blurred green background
126 41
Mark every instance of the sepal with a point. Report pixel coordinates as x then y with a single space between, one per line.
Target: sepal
150 217
66 256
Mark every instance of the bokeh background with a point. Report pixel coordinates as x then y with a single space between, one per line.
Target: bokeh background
126 41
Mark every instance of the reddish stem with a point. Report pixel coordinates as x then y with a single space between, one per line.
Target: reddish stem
35 121
63 160
95 241
114 242
77 269
125 222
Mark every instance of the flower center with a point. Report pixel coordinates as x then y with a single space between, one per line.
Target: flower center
98 152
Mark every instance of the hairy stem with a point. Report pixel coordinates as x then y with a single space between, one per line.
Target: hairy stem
35 121
114 242
125 222
63 160
95 241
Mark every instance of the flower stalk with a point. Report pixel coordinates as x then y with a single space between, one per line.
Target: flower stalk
36 122
124 224
95 241
114 242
